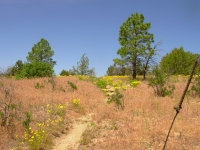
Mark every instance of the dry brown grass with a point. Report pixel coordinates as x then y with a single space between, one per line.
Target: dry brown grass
143 124
146 120
35 100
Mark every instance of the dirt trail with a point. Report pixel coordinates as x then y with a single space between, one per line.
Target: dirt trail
70 141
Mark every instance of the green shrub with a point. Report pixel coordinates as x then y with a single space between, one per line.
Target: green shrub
72 85
35 69
26 123
101 83
64 73
158 81
134 83
81 78
117 98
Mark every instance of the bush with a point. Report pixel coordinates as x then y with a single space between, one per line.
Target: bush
117 98
101 83
72 85
158 81
134 83
35 69
64 73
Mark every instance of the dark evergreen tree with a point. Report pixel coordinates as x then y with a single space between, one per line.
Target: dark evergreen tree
135 40
178 62
41 52
39 62
64 73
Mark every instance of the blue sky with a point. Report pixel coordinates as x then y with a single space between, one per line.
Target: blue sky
75 27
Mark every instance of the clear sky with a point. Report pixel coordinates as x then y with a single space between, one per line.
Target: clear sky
75 27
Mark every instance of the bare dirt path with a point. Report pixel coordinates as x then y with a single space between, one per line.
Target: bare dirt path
70 141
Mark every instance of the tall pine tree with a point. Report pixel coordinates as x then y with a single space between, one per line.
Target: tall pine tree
134 40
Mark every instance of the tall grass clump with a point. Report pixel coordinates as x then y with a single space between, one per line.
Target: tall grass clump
26 123
39 85
52 81
9 110
195 88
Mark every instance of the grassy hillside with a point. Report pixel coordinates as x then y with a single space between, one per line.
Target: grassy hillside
43 109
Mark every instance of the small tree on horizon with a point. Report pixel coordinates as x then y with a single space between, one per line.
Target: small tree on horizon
41 52
39 61
64 73
83 67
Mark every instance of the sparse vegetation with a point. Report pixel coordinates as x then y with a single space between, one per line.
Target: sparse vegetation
119 111
9 109
32 119
89 135
52 81
145 118
39 85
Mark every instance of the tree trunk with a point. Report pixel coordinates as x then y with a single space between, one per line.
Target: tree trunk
145 71
134 70
145 68
144 75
